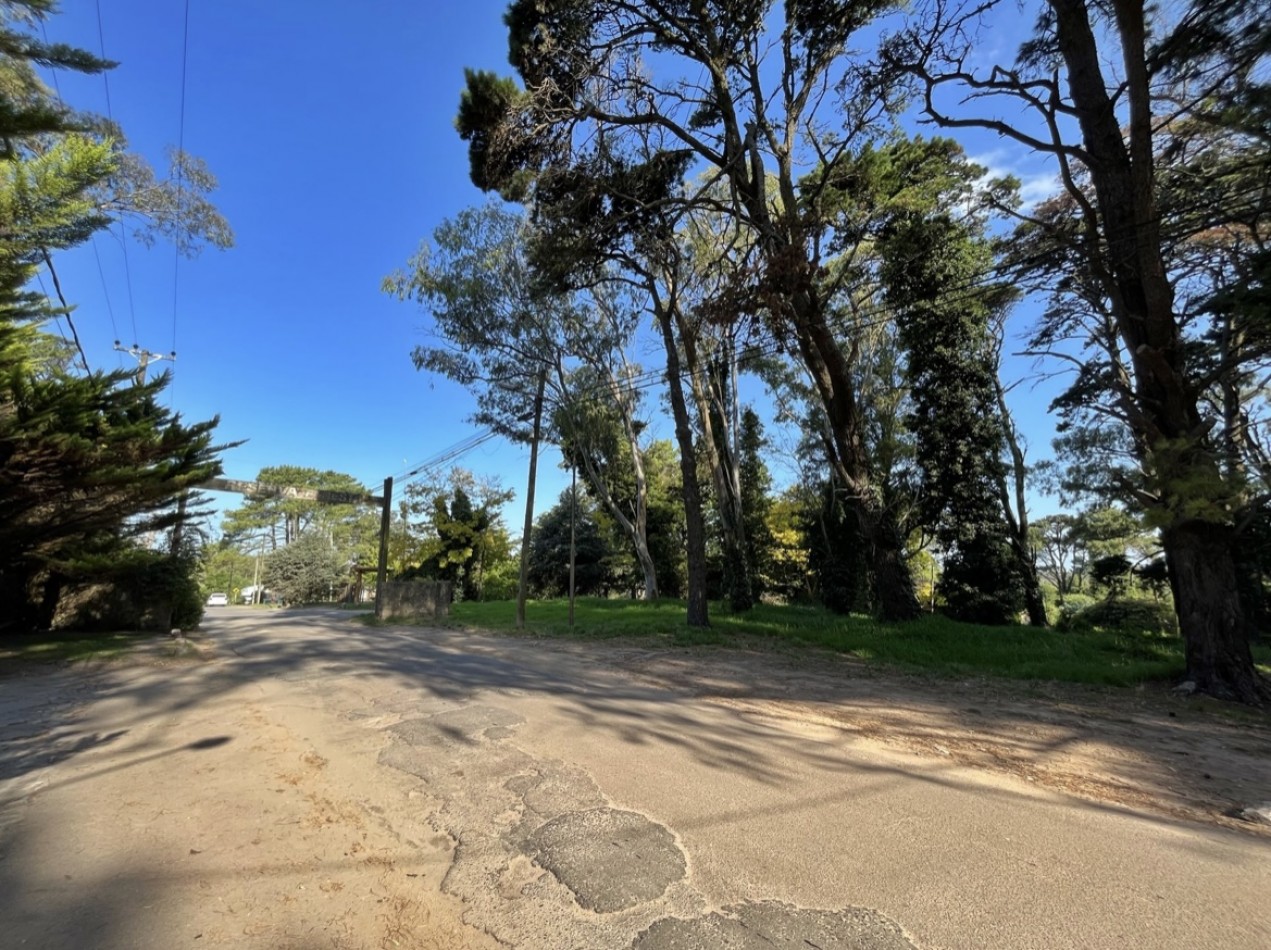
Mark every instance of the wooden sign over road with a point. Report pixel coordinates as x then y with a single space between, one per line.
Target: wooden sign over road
322 496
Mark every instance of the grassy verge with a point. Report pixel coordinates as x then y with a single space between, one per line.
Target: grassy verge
932 643
17 653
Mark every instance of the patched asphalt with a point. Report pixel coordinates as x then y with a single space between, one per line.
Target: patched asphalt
611 859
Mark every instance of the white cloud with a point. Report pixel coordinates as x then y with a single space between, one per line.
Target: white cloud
1035 183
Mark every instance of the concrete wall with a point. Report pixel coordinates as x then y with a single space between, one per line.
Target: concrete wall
417 600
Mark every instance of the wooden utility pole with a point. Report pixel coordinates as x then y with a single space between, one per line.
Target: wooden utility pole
523 586
144 358
381 572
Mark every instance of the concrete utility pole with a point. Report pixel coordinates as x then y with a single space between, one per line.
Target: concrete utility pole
144 358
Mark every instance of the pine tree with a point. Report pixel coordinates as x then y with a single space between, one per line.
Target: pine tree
88 463
930 261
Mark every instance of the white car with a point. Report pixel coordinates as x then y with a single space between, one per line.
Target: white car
218 600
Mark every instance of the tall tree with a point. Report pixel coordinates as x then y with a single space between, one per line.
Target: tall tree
459 529
502 331
88 464
751 91
1101 123
309 570
928 264
756 502
611 222
549 559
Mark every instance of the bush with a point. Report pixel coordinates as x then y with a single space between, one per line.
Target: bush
305 571
132 590
1073 604
501 582
1120 615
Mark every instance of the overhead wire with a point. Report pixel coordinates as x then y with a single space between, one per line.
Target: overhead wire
57 88
880 313
180 166
123 227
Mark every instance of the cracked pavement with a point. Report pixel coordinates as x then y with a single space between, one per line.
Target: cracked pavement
537 794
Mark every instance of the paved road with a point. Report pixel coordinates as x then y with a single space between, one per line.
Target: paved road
554 799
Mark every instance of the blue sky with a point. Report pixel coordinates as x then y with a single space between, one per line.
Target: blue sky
330 128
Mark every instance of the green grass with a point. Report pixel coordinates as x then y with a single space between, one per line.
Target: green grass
26 650
932 643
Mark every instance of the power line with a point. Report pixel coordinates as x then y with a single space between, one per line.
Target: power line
123 228
180 163
106 294
871 316
448 454
57 88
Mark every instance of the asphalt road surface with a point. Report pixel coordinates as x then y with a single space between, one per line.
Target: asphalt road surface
318 783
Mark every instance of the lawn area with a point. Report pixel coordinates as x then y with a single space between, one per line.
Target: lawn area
41 648
932 643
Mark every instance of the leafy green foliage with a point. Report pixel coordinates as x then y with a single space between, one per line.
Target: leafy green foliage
88 463
756 503
1112 573
933 268
836 554
280 519
487 102
549 550
466 539
225 568
1126 616
497 334
608 141
305 571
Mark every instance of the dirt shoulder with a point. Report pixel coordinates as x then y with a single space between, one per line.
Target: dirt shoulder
1146 748
157 800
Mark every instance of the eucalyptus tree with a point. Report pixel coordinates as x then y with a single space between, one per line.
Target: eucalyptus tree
599 432
611 222
715 251
507 334
751 94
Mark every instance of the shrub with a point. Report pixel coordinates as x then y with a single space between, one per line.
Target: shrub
1073 604
132 590
1121 615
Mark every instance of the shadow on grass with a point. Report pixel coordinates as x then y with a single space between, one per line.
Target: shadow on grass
18 653
932 644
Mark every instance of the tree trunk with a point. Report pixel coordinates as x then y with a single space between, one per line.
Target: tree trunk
724 475
1034 602
635 530
1017 516
1206 598
893 583
1164 413
698 615
522 589
647 566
